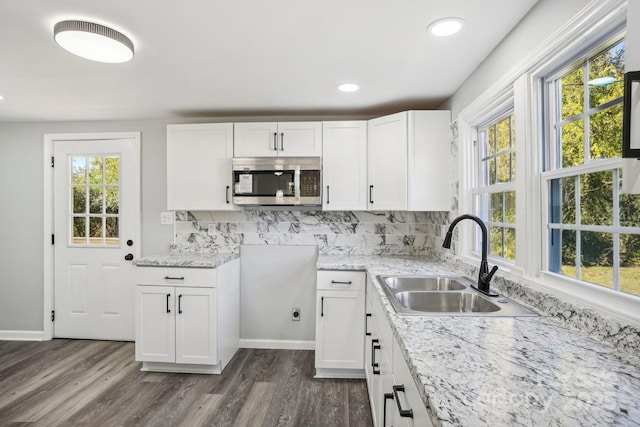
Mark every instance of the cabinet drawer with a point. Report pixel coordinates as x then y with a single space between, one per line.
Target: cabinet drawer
346 280
177 276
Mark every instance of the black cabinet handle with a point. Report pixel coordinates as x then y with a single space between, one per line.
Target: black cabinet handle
387 396
168 309
366 324
327 194
180 304
275 141
128 257
321 306
226 194
375 365
371 194
406 413
282 141
338 282
173 278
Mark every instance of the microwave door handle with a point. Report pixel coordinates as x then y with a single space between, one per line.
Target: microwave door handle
296 183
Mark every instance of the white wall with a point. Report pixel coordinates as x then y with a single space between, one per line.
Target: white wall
541 21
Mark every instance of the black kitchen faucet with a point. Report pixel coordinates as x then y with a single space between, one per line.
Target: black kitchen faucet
484 276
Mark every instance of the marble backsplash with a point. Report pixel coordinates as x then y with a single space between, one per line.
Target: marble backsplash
336 232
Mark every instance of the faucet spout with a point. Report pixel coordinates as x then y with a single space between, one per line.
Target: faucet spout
484 275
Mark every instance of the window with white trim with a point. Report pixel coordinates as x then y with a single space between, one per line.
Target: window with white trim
593 229
494 195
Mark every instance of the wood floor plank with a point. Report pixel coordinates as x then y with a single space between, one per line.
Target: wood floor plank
256 406
98 383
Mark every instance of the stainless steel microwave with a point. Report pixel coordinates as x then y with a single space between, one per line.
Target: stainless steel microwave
277 181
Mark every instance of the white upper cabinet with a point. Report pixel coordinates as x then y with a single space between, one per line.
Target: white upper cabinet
408 161
344 165
283 139
199 166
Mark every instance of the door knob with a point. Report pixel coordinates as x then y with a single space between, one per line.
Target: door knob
128 257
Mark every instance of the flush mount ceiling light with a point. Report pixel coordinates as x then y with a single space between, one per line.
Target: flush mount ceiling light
445 27
348 87
93 41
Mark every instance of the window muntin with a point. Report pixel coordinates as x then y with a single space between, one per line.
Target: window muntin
494 194
95 201
593 228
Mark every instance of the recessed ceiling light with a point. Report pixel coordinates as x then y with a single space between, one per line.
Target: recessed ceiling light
93 41
602 81
348 87
445 27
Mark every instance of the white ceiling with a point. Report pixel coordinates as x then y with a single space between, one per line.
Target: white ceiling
203 58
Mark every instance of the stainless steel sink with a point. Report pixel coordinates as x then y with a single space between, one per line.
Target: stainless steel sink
423 283
445 302
451 295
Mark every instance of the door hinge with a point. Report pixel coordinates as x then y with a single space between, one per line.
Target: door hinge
53 315
53 239
53 162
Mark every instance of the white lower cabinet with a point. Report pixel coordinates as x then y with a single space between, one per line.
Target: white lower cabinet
387 373
187 319
340 302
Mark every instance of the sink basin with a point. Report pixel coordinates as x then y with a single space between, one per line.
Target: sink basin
445 295
423 283
446 302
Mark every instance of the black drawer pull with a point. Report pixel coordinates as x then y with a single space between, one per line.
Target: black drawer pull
180 304
387 396
168 309
370 194
375 365
321 306
366 324
338 282
173 278
406 413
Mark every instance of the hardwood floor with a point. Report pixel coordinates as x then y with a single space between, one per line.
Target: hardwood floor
98 383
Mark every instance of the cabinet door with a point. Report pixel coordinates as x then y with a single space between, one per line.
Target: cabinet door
387 162
256 139
299 139
344 166
196 326
199 166
339 329
155 323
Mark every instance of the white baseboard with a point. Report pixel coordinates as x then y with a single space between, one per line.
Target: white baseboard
278 344
22 336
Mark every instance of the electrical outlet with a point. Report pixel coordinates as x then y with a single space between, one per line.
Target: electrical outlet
166 218
295 314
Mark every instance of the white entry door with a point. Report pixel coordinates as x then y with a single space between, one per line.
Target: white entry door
96 191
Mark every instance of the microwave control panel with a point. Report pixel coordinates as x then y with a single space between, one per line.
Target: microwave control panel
310 184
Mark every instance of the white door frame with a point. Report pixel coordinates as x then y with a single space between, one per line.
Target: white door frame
49 264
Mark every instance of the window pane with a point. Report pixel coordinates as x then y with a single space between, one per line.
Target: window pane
568 244
95 200
572 94
563 201
78 170
606 133
485 171
513 167
630 210
95 231
510 207
606 75
492 171
495 247
597 258
112 170
496 207
630 263
573 144
112 200
112 232
510 243
504 134
504 168
79 199
491 141
596 203
95 170
79 230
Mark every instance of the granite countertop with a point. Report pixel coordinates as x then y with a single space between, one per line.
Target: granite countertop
193 259
509 371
